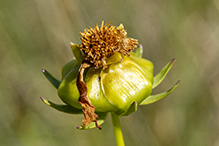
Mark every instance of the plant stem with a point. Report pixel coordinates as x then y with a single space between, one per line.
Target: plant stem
117 130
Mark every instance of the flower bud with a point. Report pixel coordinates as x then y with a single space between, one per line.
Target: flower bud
112 89
106 75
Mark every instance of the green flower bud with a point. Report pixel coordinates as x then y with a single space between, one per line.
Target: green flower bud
106 75
112 89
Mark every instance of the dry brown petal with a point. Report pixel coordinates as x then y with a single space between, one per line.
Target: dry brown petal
88 107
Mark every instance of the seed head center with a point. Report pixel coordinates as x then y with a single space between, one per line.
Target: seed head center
99 43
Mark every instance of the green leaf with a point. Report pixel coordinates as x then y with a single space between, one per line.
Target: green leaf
63 108
162 74
154 98
101 119
132 108
52 79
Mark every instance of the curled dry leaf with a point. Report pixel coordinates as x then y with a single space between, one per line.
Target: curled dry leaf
88 107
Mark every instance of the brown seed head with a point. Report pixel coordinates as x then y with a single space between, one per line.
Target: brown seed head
99 43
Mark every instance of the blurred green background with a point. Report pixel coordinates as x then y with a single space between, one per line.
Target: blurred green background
36 34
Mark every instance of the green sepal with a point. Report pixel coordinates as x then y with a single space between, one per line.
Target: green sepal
68 67
153 98
101 119
63 108
162 74
138 51
52 79
115 58
77 53
132 108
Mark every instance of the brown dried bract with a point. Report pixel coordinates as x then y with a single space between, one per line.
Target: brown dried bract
88 107
101 43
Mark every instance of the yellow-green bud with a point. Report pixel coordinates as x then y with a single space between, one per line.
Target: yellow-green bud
112 89
106 76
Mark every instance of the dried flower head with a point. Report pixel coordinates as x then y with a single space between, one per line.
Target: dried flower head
88 87
101 43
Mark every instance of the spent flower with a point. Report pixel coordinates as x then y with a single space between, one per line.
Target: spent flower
106 75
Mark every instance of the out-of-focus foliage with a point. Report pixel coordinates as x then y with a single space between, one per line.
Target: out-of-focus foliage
36 34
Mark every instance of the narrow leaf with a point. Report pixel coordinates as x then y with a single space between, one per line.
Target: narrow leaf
154 98
52 79
63 108
101 119
162 74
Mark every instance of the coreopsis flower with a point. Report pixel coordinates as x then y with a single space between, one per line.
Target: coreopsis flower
106 75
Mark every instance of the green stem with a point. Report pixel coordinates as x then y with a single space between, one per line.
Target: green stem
117 130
